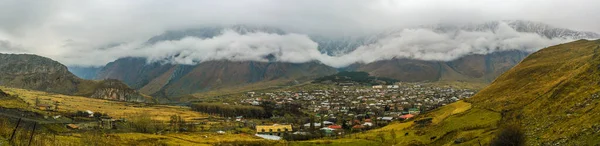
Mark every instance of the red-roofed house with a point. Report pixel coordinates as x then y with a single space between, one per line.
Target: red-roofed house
407 116
335 126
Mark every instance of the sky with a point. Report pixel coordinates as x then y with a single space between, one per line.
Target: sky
83 33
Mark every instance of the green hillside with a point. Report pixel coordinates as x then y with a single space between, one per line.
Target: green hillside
552 96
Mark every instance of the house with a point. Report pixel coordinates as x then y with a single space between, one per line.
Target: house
45 107
414 111
72 126
335 127
328 131
274 129
407 116
90 113
387 118
301 133
377 86
108 123
358 127
325 123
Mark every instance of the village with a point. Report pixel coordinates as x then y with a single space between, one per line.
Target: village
308 112
349 107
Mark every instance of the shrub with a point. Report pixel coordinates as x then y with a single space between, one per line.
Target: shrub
510 135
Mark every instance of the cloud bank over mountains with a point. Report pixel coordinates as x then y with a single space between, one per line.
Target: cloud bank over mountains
417 43
95 32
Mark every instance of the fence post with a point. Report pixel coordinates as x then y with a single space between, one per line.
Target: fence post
15 130
32 132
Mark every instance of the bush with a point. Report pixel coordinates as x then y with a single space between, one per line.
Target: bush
510 135
143 123
229 110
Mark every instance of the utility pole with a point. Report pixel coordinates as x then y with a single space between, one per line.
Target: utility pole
15 130
32 132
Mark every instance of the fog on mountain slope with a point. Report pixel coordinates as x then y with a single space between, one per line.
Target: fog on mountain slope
434 43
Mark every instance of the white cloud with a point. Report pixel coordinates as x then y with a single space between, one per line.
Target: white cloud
421 44
72 31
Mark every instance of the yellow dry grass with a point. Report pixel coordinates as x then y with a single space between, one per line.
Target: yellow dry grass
448 110
114 109
185 138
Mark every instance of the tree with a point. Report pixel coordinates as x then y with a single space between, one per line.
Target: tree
312 123
321 120
97 115
56 105
393 135
345 125
381 137
510 135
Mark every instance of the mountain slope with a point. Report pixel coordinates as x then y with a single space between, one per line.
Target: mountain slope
471 68
88 73
554 94
43 74
166 80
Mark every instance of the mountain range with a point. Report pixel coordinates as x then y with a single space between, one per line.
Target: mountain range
174 80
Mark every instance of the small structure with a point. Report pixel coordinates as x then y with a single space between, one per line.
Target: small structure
377 86
335 127
407 116
72 126
414 111
107 123
387 118
358 127
45 107
90 113
269 137
274 129
328 131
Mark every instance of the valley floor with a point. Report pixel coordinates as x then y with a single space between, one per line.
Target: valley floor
456 123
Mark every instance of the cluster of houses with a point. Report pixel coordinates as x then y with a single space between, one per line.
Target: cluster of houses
398 101
359 106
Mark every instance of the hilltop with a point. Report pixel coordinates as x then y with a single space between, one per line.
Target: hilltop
44 74
553 94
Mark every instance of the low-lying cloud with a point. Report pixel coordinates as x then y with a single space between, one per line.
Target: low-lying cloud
420 44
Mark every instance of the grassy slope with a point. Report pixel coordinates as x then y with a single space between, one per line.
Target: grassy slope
550 94
456 120
75 103
26 99
553 93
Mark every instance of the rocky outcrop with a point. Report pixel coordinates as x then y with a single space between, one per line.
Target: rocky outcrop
3 94
116 90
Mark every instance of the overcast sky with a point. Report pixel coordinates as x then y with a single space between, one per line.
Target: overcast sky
62 29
